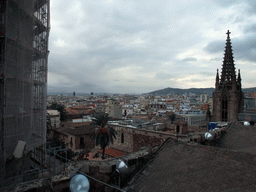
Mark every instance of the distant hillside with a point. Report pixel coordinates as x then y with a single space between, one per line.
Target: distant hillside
197 91
249 90
177 91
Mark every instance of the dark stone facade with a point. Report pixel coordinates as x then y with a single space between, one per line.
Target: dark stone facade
228 95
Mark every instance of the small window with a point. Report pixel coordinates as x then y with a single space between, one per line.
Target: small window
178 128
122 138
81 141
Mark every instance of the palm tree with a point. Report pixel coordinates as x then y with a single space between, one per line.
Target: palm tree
102 133
48 125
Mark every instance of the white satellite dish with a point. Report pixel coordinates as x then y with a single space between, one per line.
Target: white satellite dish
121 167
246 123
79 183
208 136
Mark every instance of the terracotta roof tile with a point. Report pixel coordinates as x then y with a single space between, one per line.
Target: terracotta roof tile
63 130
80 107
112 152
79 124
79 131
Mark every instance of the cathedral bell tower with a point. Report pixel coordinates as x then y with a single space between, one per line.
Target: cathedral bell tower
228 95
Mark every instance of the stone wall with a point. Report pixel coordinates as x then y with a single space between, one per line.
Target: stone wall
66 138
127 144
193 128
198 137
143 140
101 170
134 139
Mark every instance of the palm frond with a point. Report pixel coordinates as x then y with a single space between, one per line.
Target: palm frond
101 132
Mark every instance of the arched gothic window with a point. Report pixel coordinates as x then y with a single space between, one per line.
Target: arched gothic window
224 108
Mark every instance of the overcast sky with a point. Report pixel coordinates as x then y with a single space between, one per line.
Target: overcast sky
138 46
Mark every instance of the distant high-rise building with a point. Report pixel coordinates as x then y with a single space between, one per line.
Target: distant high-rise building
228 95
74 94
24 32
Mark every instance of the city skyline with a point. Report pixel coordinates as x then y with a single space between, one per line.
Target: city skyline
129 46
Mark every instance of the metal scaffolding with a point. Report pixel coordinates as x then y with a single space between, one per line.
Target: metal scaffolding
24 33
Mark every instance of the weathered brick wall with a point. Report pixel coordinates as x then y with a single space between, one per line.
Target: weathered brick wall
140 140
88 143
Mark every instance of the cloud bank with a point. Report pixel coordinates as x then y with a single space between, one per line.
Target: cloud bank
121 46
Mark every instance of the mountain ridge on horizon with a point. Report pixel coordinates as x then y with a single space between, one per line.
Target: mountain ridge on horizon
197 91
164 91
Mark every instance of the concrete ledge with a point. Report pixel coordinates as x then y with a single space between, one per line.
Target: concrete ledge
85 169
105 169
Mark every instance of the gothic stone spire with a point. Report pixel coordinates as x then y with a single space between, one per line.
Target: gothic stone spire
239 76
228 68
217 80
228 95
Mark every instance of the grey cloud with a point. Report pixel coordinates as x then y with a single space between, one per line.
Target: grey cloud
133 81
163 75
244 48
216 59
251 6
228 3
208 73
250 28
81 88
196 80
239 19
215 47
189 59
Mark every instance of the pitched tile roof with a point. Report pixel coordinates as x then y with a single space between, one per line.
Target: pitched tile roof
112 152
80 131
182 167
240 138
76 129
63 130
80 107
77 124
79 111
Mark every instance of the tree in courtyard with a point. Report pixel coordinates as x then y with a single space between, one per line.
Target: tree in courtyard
60 108
48 126
101 132
172 117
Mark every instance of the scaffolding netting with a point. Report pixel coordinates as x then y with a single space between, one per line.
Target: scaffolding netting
24 32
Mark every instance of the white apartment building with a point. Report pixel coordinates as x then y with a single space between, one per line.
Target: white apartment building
54 116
